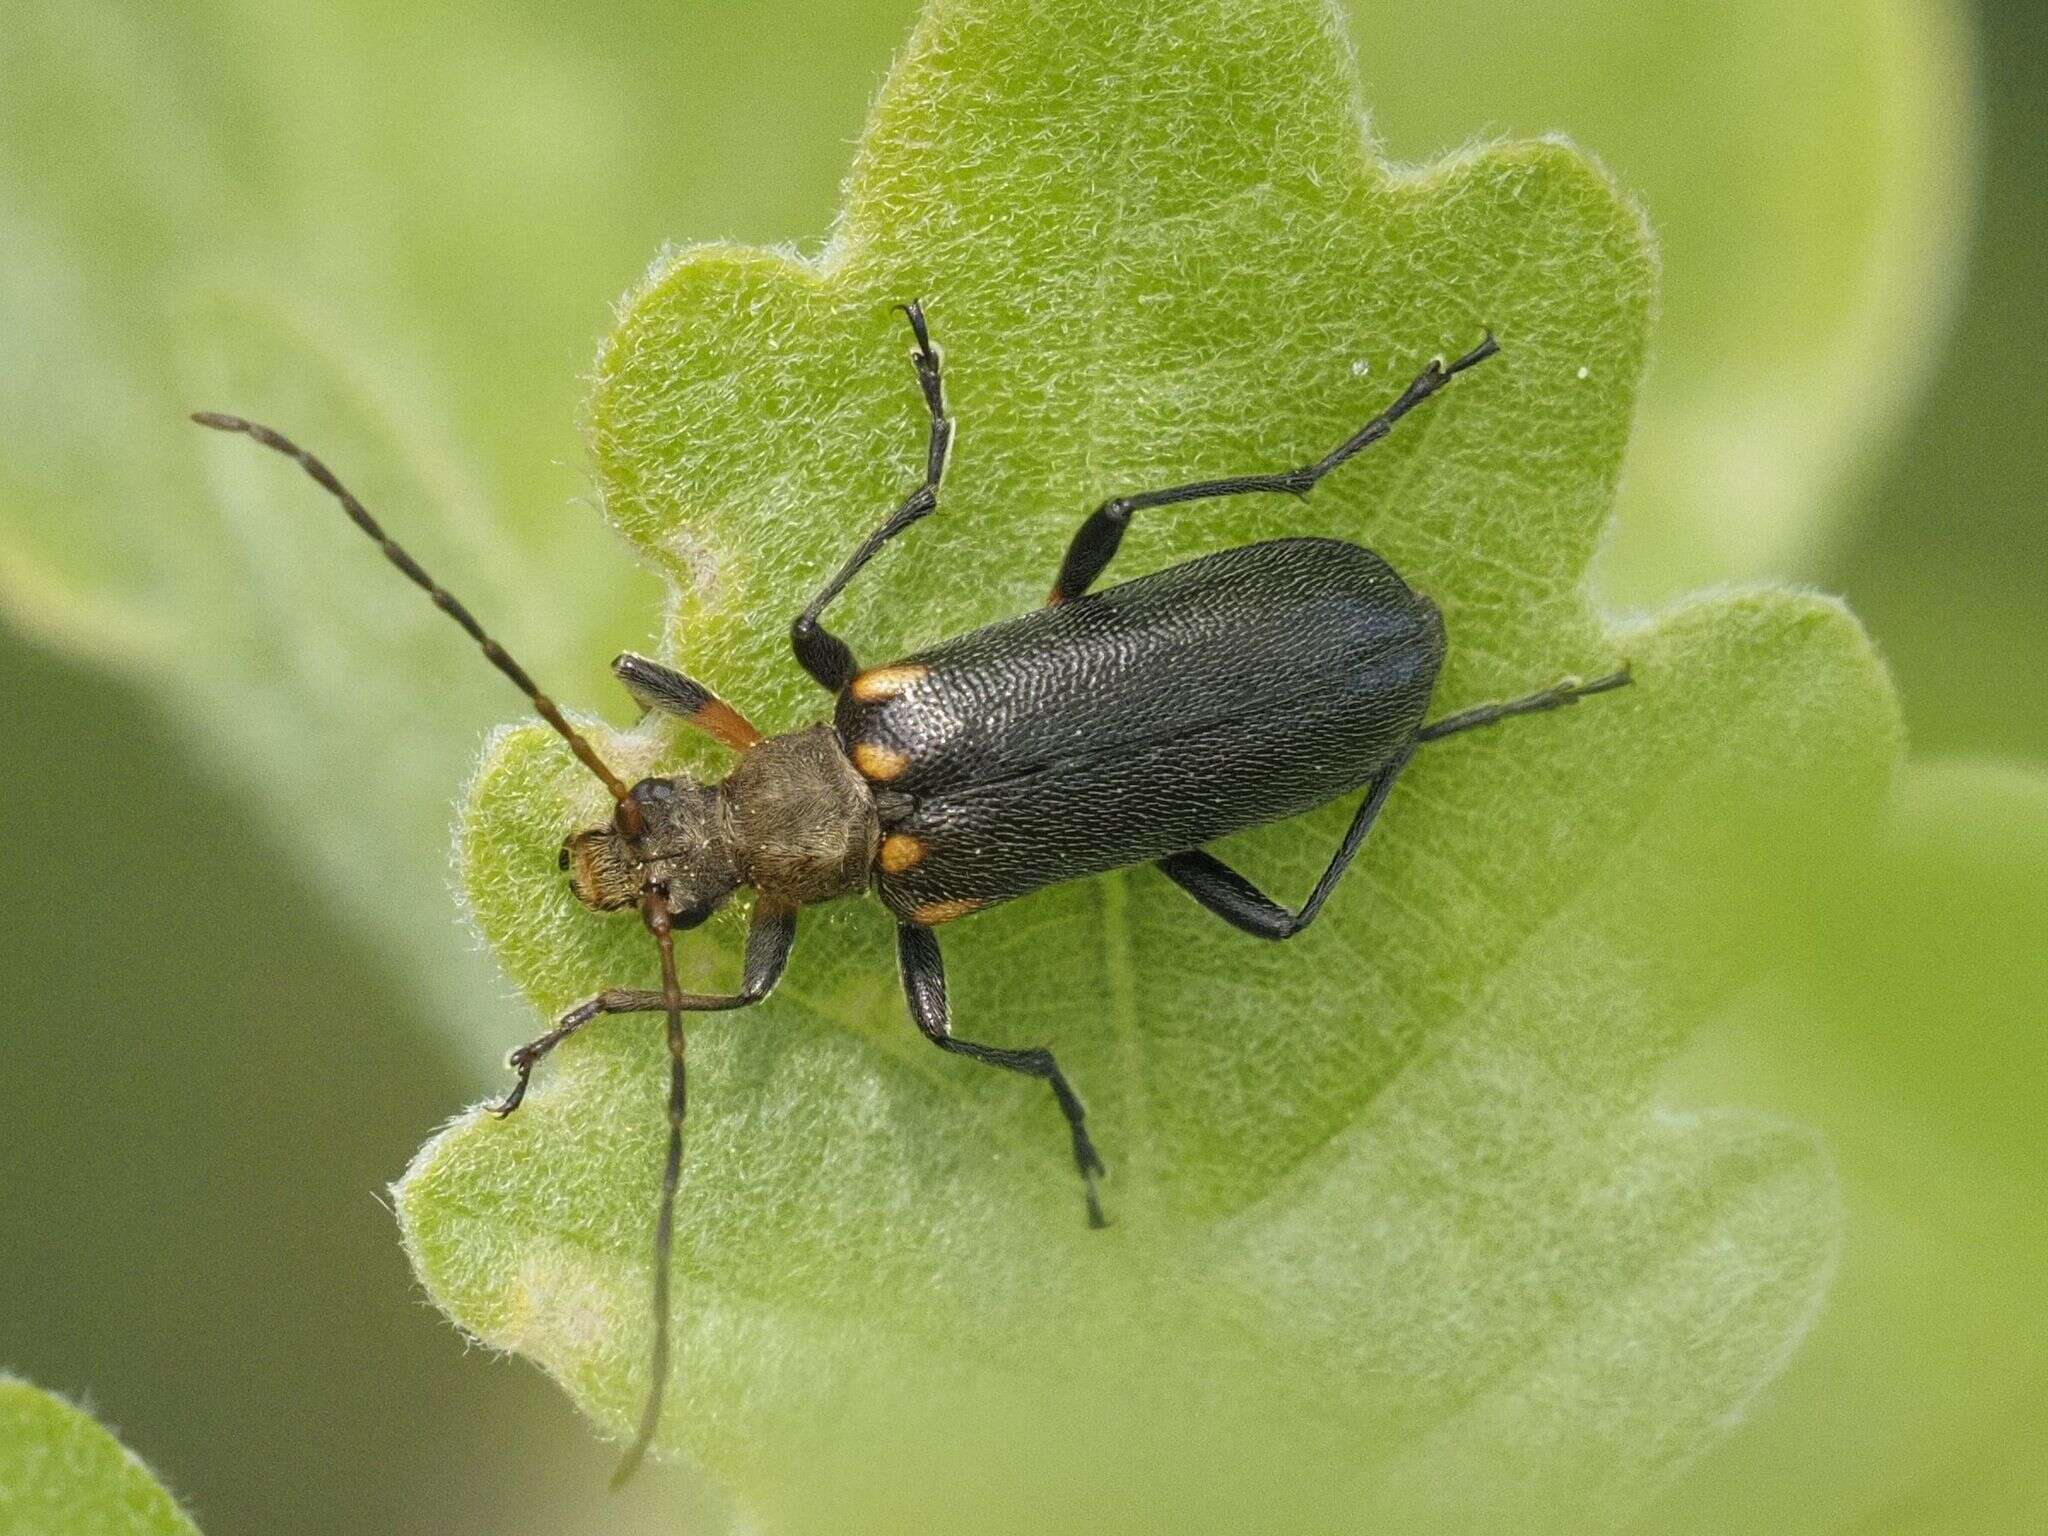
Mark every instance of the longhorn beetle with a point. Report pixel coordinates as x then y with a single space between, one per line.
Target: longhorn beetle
1128 726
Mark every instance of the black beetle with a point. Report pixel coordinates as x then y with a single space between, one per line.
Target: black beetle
1104 730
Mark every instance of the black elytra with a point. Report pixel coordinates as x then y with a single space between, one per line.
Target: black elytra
1147 720
1107 729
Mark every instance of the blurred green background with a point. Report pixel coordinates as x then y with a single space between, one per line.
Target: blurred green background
218 1057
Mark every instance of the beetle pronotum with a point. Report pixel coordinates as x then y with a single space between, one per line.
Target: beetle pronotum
1106 729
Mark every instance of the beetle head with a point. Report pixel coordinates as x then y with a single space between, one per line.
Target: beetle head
683 850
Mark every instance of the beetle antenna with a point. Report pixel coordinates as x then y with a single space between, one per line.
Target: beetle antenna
494 653
656 915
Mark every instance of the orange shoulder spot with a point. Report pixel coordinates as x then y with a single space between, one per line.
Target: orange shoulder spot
933 913
901 851
878 763
880 683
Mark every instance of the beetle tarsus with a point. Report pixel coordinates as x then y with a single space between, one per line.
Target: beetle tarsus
1617 679
1479 354
1092 1173
1085 1156
914 313
524 1058
513 1099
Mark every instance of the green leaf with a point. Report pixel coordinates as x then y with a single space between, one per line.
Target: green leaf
1909 1031
61 1474
1809 171
1400 1226
399 247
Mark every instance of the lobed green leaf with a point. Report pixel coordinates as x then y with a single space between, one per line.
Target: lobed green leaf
1403 1235
1809 170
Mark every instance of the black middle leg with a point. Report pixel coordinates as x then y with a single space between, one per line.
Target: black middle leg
821 653
1096 542
1243 905
924 984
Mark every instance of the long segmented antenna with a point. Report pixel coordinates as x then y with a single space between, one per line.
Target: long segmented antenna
656 915
494 653
654 910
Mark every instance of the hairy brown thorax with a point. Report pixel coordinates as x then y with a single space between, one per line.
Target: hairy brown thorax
801 821
794 821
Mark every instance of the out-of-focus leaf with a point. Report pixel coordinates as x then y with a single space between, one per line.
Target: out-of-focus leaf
1913 1039
61 1474
1402 1236
1948 566
387 244
1807 165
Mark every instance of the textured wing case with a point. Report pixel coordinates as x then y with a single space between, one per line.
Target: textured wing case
1150 718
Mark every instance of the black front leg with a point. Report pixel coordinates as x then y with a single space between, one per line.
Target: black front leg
821 653
924 984
769 941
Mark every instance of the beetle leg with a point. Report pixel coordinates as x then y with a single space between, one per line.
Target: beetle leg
821 653
1243 905
668 692
1569 691
522 1060
769 941
924 984
1096 541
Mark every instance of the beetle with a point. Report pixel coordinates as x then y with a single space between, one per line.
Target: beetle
1107 729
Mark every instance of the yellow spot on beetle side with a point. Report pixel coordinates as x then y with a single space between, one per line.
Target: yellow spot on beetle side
881 683
901 851
933 913
878 763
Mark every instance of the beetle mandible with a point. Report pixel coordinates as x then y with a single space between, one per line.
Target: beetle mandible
1080 738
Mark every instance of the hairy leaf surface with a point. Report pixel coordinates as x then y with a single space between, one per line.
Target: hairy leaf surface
1401 1232
61 1474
